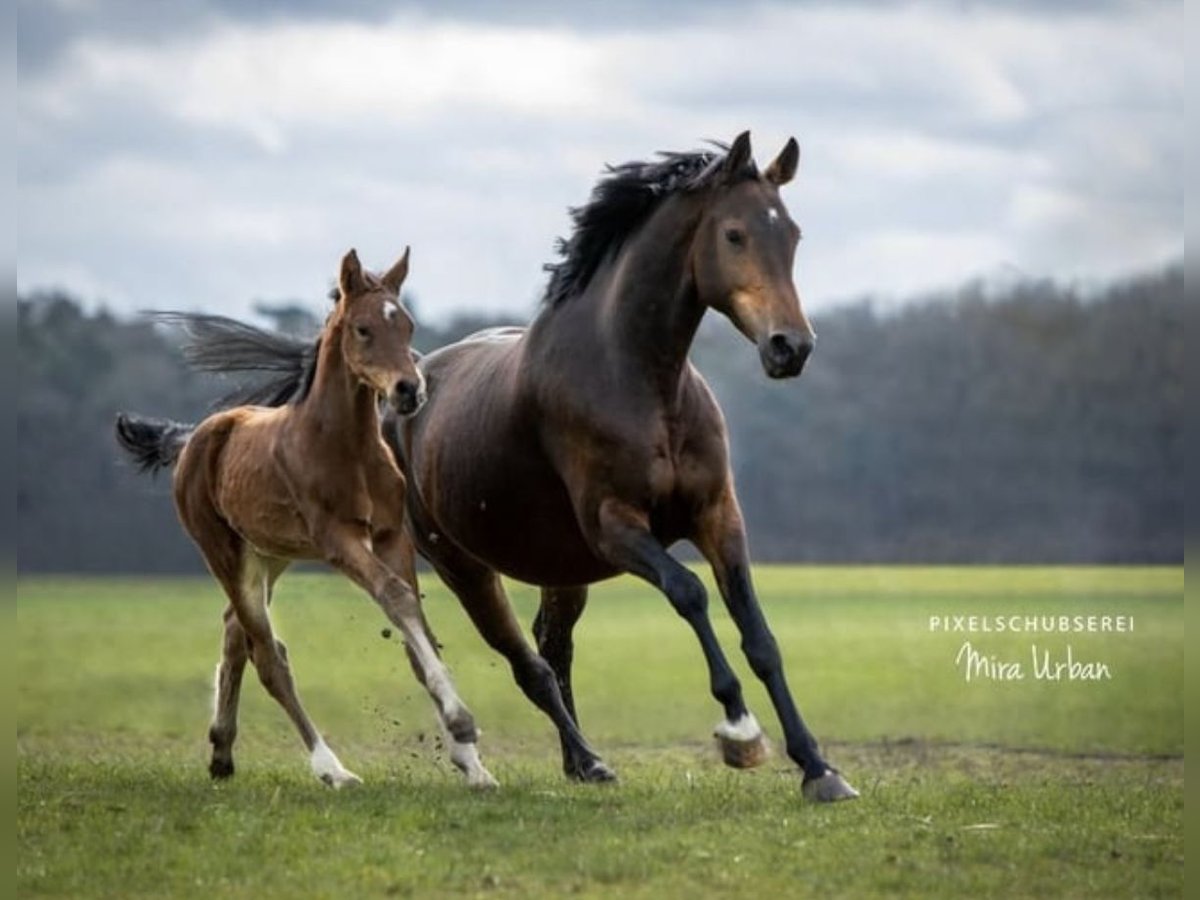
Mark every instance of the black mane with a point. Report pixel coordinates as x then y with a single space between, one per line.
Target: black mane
621 201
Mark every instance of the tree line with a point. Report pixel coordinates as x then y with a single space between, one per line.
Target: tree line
1023 424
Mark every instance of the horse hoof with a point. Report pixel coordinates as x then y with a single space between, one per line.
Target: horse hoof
743 754
482 781
595 772
220 769
828 788
742 743
339 780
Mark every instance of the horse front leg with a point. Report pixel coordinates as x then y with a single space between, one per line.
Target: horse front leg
722 539
624 539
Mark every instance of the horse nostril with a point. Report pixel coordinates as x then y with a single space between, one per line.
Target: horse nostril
781 345
786 352
406 396
790 347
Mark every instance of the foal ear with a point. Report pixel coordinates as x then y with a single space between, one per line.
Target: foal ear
396 274
351 279
738 157
783 168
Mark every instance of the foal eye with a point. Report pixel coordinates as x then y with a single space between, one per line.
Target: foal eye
362 331
735 236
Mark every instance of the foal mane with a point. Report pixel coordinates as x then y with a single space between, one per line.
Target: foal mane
222 345
621 201
286 365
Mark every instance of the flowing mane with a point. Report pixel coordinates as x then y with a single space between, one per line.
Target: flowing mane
623 199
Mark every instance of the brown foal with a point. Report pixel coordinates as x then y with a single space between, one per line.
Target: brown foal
258 487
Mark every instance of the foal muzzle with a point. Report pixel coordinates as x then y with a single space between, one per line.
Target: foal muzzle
408 396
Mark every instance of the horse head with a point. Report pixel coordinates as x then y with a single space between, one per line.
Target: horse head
744 253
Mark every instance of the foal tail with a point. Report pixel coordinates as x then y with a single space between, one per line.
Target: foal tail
153 443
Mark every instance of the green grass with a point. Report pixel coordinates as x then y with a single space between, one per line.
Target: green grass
1005 789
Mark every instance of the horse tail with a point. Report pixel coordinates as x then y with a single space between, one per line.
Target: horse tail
223 345
153 443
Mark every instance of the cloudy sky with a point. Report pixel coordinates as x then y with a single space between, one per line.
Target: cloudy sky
206 154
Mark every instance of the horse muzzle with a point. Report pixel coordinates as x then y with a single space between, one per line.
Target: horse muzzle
784 353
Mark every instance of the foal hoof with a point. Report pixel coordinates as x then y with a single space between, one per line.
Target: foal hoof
220 769
327 767
827 788
482 780
339 780
742 743
594 772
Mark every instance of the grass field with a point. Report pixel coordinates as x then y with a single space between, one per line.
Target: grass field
981 788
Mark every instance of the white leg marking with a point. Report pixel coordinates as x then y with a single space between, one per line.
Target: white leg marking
327 767
741 730
465 756
216 697
466 759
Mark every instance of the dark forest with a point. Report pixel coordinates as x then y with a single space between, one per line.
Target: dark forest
1031 423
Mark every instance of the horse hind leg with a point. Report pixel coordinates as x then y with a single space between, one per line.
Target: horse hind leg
481 594
560 609
223 730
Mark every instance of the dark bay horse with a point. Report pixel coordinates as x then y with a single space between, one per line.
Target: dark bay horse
587 444
257 487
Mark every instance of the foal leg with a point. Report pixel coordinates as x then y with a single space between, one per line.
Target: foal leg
623 538
223 730
560 609
722 540
403 608
481 594
235 652
250 601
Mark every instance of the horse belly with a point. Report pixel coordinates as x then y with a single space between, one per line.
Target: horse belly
482 477
512 514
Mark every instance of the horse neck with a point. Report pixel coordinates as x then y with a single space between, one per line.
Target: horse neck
642 309
342 409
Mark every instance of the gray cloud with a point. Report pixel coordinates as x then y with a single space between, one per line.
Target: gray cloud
207 157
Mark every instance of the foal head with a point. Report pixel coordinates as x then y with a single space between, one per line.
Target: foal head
376 331
743 256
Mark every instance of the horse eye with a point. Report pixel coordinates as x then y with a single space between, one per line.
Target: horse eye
362 331
735 236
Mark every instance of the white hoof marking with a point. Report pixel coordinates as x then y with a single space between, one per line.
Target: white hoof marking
327 767
466 759
742 730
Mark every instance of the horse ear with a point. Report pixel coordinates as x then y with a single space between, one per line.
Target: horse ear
396 274
351 279
738 157
783 168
